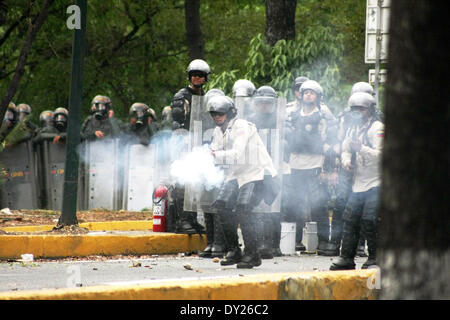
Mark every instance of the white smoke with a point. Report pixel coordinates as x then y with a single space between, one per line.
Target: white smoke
197 169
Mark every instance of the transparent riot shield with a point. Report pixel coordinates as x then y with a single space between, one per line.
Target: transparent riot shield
53 157
103 174
19 189
269 118
200 196
139 182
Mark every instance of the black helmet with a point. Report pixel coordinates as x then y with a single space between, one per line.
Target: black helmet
139 111
60 116
198 65
46 118
100 106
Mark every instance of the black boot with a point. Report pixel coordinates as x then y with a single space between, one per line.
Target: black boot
184 225
218 248
348 250
370 233
209 222
232 257
228 222
251 256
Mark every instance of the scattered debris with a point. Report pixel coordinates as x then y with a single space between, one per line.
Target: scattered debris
188 266
72 229
27 257
6 211
135 264
216 260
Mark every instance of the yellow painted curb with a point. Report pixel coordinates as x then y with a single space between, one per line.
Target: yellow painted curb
276 286
52 246
126 225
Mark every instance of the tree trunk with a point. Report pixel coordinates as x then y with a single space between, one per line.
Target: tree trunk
280 20
414 243
20 68
194 36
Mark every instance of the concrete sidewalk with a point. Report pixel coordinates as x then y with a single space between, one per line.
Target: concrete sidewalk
105 238
336 285
136 238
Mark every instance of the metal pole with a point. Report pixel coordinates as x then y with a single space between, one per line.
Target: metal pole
70 190
378 50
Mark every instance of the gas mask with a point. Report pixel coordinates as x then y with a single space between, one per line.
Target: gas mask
61 122
356 117
141 119
101 112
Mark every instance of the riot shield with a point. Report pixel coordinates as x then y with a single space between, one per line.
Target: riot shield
53 157
269 120
19 189
200 196
139 181
103 174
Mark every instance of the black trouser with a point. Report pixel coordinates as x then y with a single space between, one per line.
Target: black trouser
235 205
310 193
361 213
343 190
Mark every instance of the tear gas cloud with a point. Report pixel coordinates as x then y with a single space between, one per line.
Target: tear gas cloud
197 168
167 157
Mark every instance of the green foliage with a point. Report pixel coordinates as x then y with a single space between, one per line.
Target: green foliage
315 52
136 50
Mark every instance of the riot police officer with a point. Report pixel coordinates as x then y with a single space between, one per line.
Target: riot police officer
100 124
264 116
10 120
24 130
47 131
215 246
361 154
306 138
296 90
140 126
197 74
243 189
344 178
61 117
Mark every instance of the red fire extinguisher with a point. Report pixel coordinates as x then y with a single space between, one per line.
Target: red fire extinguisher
160 207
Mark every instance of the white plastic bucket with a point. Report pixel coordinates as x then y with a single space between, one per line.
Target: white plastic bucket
287 241
310 239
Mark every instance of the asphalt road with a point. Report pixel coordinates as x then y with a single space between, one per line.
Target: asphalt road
40 274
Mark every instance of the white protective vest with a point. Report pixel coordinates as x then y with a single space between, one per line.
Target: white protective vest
241 147
367 173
